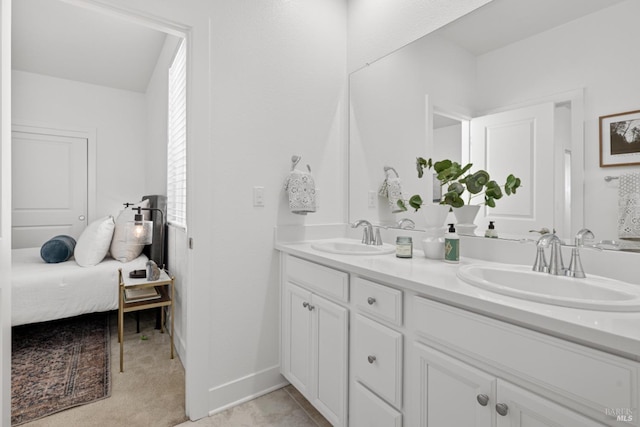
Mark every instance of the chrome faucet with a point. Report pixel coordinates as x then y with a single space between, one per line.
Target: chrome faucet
406 224
555 266
575 266
367 234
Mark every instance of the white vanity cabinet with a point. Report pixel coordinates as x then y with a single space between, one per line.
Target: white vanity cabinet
315 335
376 355
368 350
488 373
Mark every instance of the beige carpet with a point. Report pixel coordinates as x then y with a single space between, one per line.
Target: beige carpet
150 391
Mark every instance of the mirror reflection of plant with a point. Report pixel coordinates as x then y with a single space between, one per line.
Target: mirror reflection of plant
450 174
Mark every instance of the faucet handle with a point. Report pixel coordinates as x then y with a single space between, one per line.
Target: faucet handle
377 240
575 266
366 237
540 264
582 235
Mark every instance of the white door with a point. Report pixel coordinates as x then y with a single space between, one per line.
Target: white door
452 392
520 142
330 344
296 337
521 408
49 187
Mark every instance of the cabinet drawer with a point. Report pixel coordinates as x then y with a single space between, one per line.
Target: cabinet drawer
369 411
378 300
590 377
377 358
324 280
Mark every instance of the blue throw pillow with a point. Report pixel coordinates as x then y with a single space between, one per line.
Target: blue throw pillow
58 249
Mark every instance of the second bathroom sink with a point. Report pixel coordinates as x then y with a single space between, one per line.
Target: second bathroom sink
593 292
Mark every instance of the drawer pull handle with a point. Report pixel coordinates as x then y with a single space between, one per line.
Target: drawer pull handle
371 300
502 409
371 359
483 399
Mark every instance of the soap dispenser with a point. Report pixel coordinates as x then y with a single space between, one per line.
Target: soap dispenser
451 246
491 231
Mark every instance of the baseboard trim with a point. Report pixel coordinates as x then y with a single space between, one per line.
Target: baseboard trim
180 348
247 388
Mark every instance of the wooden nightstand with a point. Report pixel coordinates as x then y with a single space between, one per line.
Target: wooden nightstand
165 287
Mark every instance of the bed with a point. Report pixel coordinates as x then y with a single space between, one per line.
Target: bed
43 292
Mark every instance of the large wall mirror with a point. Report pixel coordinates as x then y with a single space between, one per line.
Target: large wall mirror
525 61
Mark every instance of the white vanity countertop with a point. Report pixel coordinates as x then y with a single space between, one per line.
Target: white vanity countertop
614 332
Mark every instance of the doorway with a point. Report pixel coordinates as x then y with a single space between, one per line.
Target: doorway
130 163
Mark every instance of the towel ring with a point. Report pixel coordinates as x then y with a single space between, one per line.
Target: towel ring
389 168
294 161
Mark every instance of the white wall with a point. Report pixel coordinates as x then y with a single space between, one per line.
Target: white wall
593 53
447 143
118 116
379 27
279 89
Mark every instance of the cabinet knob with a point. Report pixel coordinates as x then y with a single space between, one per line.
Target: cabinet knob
502 409
371 300
483 399
371 359
305 305
311 307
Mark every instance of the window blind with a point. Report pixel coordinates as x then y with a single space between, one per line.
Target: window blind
177 140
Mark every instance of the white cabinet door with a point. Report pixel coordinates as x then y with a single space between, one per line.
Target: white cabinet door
296 337
525 409
330 343
451 392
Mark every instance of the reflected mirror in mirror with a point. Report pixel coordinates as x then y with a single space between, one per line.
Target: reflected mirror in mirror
479 88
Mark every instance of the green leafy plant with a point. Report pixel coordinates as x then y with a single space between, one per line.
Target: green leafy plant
458 180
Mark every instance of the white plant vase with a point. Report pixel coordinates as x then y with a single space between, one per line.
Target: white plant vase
465 218
435 215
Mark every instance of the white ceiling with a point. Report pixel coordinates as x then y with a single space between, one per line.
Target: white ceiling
61 40
502 22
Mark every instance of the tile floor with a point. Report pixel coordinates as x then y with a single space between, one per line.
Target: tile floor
281 408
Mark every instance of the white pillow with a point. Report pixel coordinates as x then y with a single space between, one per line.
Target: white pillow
94 242
120 249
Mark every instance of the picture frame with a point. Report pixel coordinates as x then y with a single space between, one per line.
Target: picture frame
620 139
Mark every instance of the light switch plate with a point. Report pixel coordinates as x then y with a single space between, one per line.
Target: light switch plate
372 199
258 196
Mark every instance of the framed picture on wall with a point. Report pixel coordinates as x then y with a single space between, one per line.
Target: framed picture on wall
620 139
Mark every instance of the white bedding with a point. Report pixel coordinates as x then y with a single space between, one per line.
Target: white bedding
42 292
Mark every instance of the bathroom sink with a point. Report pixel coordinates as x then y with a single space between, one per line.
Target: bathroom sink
352 247
593 292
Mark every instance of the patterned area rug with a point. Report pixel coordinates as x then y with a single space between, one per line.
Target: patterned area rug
58 365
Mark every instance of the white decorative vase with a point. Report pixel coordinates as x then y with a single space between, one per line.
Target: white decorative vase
465 217
435 215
